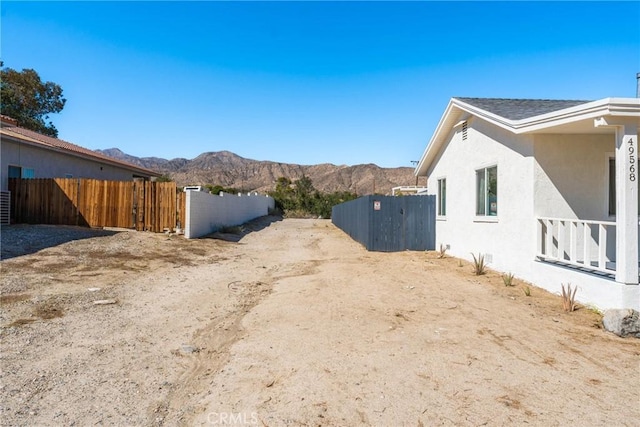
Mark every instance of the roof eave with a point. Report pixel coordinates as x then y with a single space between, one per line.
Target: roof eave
627 107
603 107
434 143
39 144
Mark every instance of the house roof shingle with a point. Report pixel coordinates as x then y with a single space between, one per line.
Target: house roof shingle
518 109
55 143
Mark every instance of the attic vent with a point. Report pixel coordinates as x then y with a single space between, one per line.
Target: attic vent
464 130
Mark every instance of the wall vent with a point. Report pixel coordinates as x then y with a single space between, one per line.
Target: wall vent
464 130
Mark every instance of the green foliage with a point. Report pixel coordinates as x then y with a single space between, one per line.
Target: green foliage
507 279
216 189
478 264
164 178
29 100
301 199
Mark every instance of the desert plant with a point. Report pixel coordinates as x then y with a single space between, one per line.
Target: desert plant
527 291
442 251
569 298
478 264
507 278
460 264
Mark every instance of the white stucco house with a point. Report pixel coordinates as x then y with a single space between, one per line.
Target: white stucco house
545 189
29 154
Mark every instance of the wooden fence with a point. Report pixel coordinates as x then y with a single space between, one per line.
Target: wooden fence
142 205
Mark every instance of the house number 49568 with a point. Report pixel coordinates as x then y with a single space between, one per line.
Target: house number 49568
632 161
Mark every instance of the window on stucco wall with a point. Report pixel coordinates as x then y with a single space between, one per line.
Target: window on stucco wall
487 191
20 172
442 197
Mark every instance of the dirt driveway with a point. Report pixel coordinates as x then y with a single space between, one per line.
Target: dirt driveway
289 323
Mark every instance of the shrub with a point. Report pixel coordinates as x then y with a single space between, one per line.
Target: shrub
568 298
507 278
442 251
300 199
478 264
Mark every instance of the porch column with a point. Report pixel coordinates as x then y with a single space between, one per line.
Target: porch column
627 175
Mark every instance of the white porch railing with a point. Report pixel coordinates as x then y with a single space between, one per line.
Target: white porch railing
589 245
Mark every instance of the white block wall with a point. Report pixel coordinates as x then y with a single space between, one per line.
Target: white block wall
206 213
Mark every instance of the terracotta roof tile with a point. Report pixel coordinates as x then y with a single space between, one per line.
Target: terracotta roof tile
47 141
9 120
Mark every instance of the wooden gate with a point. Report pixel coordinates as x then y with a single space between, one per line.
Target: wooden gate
142 205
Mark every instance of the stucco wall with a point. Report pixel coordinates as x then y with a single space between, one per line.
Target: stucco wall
206 213
49 164
570 176
507 239
566 178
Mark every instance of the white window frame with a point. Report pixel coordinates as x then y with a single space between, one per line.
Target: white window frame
485 216
441 213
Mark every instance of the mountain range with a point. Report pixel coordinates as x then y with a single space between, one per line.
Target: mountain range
230 170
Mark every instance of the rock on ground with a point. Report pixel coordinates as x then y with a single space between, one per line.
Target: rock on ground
624 322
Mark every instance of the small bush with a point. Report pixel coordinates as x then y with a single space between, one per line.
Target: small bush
507 278
527 291
442 251
460 264
478 264
568 298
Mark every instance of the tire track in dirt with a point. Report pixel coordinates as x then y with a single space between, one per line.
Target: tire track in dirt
214 341
209 354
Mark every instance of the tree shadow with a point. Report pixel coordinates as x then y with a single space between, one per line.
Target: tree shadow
24 239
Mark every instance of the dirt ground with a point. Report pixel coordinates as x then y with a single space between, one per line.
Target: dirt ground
289 323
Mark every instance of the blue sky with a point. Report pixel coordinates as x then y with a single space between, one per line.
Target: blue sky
308 82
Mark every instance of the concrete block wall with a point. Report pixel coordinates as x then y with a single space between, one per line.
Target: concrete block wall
207 213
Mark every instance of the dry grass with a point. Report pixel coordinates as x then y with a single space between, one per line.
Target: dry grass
442 251
569 298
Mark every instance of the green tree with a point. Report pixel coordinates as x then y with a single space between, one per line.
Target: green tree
29 100
301 198
164 178
304 194
216 189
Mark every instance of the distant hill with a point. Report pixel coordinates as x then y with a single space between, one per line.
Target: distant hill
230 170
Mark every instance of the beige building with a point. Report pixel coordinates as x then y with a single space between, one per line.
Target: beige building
28 154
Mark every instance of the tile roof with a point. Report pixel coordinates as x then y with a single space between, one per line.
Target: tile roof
518 109
50 142
8 120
